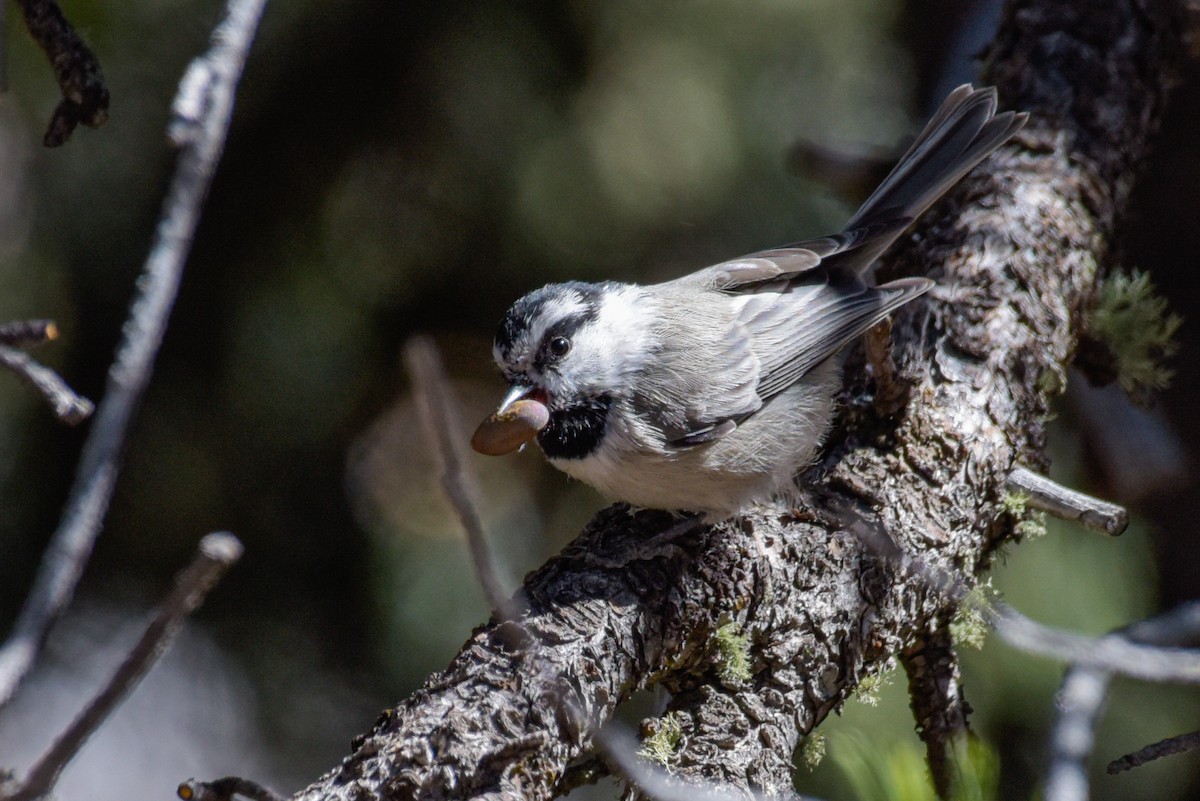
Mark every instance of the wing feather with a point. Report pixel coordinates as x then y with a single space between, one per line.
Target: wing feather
744 350
766 268
754 326
794 334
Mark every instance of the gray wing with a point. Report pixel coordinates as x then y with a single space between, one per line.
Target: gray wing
844 250
811 320
790 308
770 331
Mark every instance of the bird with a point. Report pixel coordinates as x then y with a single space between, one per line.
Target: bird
708 393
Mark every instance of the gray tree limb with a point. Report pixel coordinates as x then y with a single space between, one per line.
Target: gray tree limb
1017 251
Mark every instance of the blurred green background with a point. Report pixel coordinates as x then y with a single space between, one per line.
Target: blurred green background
396 168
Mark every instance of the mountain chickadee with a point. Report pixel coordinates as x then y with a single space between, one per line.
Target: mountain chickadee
709 392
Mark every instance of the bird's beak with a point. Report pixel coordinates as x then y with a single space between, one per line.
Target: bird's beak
515 393
522 414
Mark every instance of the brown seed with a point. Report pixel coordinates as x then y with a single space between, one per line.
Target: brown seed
506 431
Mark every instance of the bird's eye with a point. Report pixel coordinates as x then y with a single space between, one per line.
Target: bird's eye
559 346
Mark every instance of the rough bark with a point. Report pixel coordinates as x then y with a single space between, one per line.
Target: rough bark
1017 250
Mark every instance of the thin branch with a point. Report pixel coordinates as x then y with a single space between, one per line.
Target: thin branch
1080 700
1082 697
435 400
215 555
67 406
935 694
1163 748
1113 653
225 789
76 68
1068 504
212 79
23 333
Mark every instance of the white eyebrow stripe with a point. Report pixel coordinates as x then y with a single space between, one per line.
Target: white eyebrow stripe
554 311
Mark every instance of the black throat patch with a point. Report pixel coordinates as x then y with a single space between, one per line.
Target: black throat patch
576 431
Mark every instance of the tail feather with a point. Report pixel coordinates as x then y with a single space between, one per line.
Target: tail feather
963 132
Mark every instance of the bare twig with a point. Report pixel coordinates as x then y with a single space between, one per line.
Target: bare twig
1068 504
212 77
84 94
1080 700
1137 652
436 402
23 333
1082 697
225 789
1113 653
215 555
1163 748
67 406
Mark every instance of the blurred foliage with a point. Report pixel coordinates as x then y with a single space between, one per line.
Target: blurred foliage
404 167
898 772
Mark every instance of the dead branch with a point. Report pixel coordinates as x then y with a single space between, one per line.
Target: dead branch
68 407
1163 748
203 109
1068 504
225 790
1082 695
435 401
76 68
214 556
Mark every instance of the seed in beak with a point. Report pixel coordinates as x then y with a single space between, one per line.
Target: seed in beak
510 427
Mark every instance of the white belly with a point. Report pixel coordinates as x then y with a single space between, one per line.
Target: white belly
755 462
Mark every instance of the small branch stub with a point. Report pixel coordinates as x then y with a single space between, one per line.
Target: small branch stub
225 789
84 94
67 406
1163 748
24 333
1068 504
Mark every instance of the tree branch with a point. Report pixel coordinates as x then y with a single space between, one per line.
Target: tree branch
1163 748
68 407
76 68
435 401
214 556
1082 696
203 109
1017 251
1068 504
